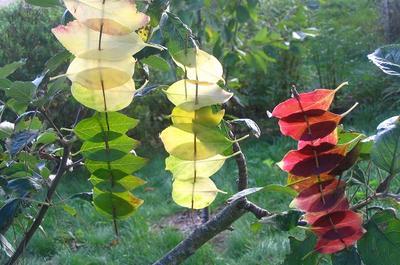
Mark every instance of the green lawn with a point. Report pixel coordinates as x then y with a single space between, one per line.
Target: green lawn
88 238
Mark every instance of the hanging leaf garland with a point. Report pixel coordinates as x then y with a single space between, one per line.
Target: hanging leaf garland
195 142
322 152
103 40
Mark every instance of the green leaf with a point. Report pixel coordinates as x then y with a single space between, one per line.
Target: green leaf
128 164
283 221
381 244
69 209
242 14
346 257
387 58
8 213
117 149
177 35
302 252
47 138
281 189
8 69
22 92
105 179
44 3
16 106
57 60
116 205
91 127
386 150
5 83
156 62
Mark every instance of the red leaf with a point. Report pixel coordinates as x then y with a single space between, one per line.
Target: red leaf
322 196
337 231
331 138
318 125
342 205
317 99
303 163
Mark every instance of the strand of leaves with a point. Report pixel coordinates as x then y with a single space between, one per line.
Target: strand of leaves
313 166
103 39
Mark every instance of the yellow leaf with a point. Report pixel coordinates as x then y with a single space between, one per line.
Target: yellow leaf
99 74
199 65
183 94
184 169
117 98
196 195
83 42
181 141
204 116
118 17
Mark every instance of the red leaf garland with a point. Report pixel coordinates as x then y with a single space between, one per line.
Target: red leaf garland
313 166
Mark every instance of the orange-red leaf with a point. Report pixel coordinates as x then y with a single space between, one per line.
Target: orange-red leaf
318 99
304 163
331 138
321 196
342 205
337 231
310 125
299 183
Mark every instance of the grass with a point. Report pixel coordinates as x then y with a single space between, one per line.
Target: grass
87 238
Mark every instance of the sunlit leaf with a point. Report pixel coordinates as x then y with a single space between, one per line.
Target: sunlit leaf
127 164
199 65
197 144
204 116
114 17
183 94
101 74
116 98
196 194
83 42
89 128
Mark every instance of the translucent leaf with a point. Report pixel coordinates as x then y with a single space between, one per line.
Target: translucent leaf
116 205
116 98
183 94
83 42
127 164
99 74
199 65
204 116
105 179
184 169
194 194
89 128
183 143
117 17
117 149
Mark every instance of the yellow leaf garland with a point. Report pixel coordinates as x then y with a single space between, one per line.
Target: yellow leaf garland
196 143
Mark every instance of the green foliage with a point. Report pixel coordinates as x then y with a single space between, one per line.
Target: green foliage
386 150
25 34
381 242
302 251
347 257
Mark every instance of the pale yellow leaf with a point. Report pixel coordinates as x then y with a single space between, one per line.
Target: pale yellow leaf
196 195
117 98
99 74
181 142
205 116
199 65
115 17
183 94
83 42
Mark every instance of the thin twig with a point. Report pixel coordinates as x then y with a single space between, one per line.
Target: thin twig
42 212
